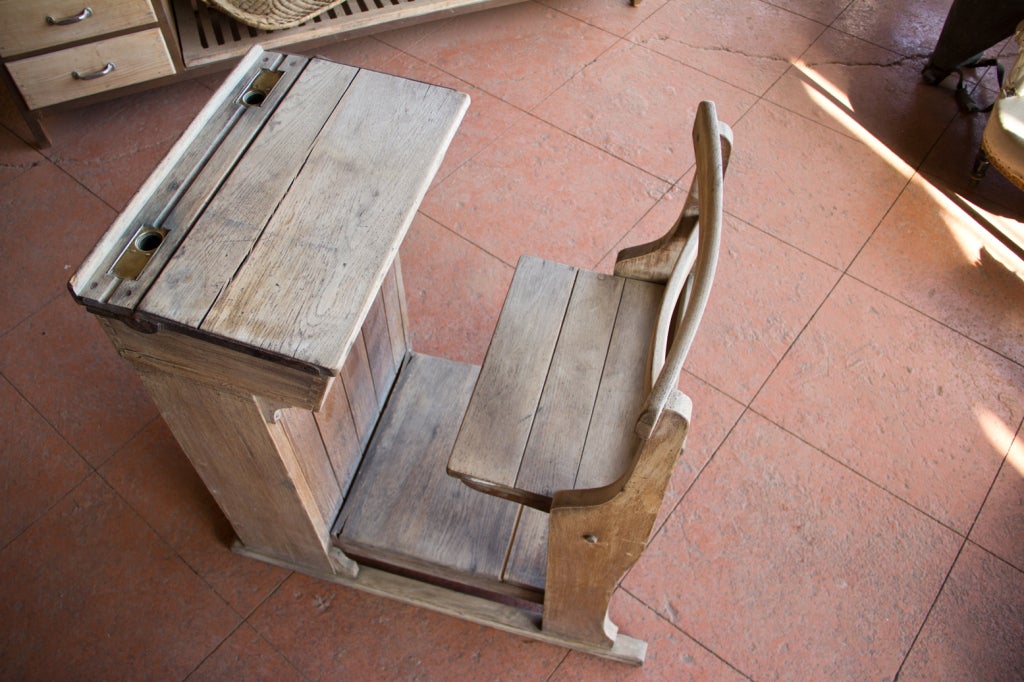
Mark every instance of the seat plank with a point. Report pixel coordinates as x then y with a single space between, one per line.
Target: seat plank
610 439
496 429
559 432
404 512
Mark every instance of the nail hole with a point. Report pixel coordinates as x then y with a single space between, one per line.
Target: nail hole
590 537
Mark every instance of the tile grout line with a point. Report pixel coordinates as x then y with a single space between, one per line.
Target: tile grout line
966 541
558 666
242 618
464 238
90 469
931 608
686 634
857 473
29 316
145 521
214 650
946 325
657 531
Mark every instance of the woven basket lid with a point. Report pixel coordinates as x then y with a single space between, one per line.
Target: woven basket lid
272 15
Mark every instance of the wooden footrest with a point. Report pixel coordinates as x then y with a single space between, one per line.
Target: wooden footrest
405 513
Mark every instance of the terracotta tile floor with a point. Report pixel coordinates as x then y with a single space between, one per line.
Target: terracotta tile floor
851 504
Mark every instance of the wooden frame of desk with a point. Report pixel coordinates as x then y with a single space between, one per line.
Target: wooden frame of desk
266 317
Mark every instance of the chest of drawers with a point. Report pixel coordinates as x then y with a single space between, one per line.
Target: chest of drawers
54 52
61 50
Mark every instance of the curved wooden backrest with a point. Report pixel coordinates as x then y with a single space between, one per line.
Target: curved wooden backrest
685 260
606 529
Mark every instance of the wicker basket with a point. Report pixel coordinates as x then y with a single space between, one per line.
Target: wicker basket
272 15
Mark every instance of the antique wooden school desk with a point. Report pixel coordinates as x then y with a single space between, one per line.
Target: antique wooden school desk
254 284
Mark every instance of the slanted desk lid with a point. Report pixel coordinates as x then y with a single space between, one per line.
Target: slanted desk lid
276 221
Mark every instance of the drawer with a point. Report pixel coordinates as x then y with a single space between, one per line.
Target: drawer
134 58
23 24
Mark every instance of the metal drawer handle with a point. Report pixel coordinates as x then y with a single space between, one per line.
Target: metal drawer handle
95 74
81 16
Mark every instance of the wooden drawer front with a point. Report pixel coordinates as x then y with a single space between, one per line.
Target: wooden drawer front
47 79
23 25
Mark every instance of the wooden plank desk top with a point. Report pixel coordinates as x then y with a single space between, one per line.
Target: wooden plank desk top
279 212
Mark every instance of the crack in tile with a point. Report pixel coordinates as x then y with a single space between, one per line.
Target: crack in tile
715 49
899 61
18 166
127 152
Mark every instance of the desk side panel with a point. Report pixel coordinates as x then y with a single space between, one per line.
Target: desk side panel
249 467
352 409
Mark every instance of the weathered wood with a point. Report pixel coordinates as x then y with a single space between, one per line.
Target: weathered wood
338 432
83 283
249 466
493 438
334 234
23 25
655 261
632 432
311 457
393 294
404 512
559 390
383 368
572 382
467 607
597 534
47 79
221 240
611 442
304 220
245 412
179 202
603 437
307 292
711 139
357 380
528 557
219 366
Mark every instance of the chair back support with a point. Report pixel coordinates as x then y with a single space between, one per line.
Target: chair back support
689 284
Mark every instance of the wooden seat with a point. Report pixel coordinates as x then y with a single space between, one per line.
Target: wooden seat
572 428
271 330
577 412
